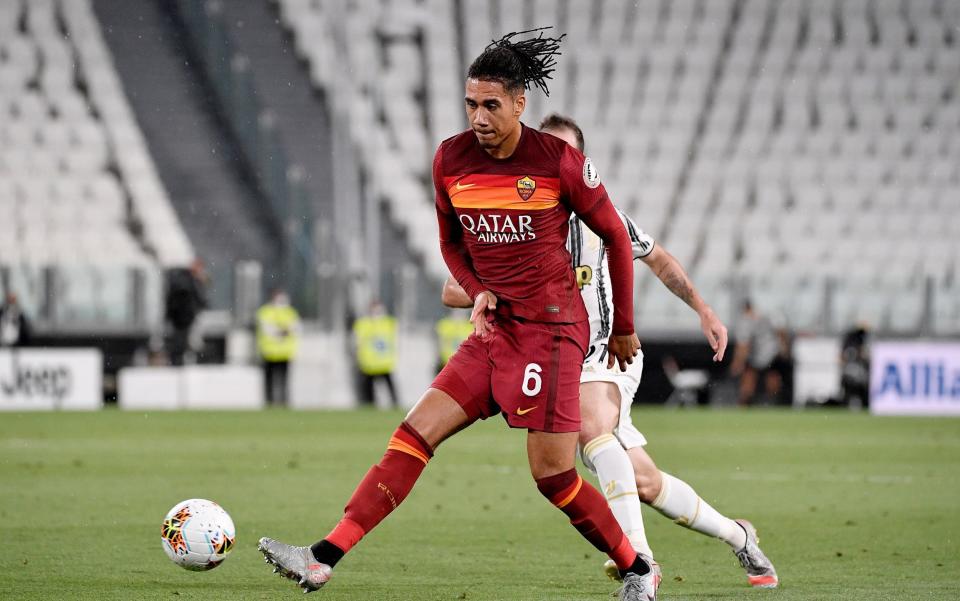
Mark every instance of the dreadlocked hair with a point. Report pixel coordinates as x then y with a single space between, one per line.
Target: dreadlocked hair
517 64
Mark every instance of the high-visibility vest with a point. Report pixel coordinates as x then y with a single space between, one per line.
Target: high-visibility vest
450 333
277 338
376 339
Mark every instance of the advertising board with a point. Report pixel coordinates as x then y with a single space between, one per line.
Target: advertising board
915 378
46 379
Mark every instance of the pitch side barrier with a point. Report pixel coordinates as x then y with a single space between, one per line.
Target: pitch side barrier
190 387
319 378
50 379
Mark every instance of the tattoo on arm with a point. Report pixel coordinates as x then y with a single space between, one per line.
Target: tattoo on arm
674 278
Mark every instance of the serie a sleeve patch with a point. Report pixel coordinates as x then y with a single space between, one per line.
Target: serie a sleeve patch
591 178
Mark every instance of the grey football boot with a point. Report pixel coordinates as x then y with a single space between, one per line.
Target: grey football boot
296 563
760 570
641 588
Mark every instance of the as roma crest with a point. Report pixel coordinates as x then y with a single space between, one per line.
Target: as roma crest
526 187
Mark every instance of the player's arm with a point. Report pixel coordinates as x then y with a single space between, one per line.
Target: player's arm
455 256
455 253
454 295
669 270
581 186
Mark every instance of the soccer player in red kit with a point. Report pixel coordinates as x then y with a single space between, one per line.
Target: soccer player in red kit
504 194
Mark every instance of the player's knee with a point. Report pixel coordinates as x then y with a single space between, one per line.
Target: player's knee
436 417
555 486
591 428
546 464
551 453
547 467
599 410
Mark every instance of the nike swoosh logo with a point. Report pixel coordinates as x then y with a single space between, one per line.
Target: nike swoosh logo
464 186
526 411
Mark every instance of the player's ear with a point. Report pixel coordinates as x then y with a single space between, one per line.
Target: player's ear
519 103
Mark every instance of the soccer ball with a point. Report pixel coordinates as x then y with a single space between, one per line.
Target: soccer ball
197 534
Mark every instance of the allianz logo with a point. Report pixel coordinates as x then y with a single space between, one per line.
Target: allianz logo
499 229
920 379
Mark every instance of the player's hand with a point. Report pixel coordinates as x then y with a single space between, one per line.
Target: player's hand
622 349
715 332
485 301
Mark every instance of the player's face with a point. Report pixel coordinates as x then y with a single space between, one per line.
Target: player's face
566 134
492 111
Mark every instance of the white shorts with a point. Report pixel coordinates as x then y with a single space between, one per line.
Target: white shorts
595 370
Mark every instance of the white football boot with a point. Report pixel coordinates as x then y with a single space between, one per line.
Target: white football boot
760 570
636 587
296 563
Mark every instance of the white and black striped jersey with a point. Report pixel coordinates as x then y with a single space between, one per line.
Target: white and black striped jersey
589 260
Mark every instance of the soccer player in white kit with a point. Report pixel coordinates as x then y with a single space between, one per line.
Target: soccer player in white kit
610 445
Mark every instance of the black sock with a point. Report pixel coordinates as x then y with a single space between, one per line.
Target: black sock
327 552
639 567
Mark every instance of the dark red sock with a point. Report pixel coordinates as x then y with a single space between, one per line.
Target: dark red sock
384 487
589 513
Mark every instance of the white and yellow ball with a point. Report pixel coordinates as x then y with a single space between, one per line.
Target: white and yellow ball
198 534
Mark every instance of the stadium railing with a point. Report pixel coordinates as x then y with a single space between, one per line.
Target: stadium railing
254 127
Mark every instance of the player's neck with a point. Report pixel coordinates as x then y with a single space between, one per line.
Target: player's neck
509 145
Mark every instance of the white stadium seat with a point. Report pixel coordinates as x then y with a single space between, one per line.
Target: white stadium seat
57 174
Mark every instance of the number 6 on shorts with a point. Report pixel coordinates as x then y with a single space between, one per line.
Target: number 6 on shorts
531 379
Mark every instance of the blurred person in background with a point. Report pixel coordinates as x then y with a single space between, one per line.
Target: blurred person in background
855 367
186 298
375 340
278 338
758 347
782 367
452 329
14 325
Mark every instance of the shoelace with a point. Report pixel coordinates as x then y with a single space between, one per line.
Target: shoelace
631 585
747 561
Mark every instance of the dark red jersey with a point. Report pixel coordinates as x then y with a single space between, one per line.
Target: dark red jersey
504 223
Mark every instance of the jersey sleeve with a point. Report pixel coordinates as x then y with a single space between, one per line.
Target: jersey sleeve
641 242
451 234
581 188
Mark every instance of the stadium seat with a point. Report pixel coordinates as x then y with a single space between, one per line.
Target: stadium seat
805 140
58 171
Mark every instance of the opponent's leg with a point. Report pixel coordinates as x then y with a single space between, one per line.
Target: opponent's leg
675 499
551 457
603 454
678 501
434 418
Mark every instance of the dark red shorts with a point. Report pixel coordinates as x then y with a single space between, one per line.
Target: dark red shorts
528 371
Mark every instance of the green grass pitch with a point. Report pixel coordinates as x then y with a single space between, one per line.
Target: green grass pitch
848 507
